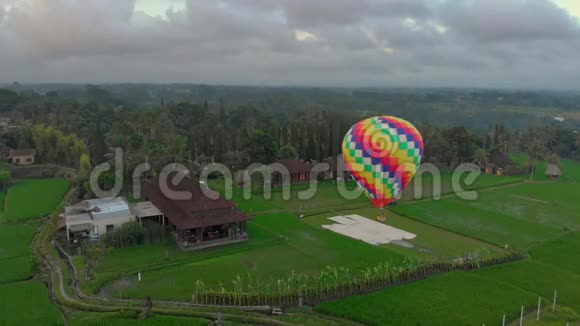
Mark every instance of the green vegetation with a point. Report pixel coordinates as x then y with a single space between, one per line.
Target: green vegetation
431 241
279 244
16 269
327 195
32 199
449 299
300 247
2 198
520 216
27 303
562 316
15 260
131 319
570 169
15 238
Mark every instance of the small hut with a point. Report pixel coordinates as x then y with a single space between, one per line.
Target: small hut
300 172
489 168
499 171
22 156
553 171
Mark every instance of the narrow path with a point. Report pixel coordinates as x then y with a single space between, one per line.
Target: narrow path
55 270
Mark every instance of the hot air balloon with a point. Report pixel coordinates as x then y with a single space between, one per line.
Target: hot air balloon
382 154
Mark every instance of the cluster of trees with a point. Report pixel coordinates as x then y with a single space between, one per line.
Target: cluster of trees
267 129
52 145
132 234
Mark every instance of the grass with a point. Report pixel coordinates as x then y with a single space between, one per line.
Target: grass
16 269
559 251
303 248
570 169
280 243
15 239
15 259
562 316
27 303
327 195
424 185
431 241
2 198
521 216
126 319
449 299
32 199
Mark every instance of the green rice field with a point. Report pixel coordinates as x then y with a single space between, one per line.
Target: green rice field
27 303
297 247
32 199
520 215
470 298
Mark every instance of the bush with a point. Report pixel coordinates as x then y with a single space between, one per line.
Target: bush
133 234
128 235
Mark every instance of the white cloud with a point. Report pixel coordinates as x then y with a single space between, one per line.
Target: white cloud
304 36
572 6
159 8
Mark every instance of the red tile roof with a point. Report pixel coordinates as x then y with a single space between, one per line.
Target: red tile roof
295 166
198 211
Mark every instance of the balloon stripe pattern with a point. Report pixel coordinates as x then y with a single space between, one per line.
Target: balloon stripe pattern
383 154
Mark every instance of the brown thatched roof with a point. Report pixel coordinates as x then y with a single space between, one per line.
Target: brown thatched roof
198 211
553 170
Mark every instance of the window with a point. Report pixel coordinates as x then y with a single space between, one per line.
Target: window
110 227
17 160
29 160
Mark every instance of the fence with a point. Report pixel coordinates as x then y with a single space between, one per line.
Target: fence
537 311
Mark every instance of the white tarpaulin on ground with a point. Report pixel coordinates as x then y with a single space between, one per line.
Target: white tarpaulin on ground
367 230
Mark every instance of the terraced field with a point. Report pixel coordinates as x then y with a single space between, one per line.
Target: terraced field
25 301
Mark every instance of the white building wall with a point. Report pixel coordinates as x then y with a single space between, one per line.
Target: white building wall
101 223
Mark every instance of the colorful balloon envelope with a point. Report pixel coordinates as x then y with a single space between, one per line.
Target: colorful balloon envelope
383 154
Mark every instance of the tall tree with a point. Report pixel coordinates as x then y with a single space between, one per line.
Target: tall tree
84 167
93 254
287 151
261 147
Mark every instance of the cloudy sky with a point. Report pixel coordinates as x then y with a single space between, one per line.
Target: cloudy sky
475 43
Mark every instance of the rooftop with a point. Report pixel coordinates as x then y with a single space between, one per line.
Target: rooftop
98 208
194 212
553 170
22 152
145 209
295 165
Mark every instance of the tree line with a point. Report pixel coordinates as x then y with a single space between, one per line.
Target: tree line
61 129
